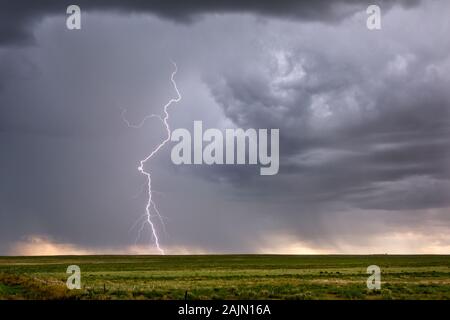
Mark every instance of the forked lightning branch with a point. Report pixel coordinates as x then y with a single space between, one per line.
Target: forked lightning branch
150 208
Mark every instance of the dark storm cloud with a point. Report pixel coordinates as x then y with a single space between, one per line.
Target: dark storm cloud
18 17
363 118
369 128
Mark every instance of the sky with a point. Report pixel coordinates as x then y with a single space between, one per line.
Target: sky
363 117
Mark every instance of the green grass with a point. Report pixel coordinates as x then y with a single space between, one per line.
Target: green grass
226 277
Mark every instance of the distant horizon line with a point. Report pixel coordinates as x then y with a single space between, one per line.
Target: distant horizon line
228 254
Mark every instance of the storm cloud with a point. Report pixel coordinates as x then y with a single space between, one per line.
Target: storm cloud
363 118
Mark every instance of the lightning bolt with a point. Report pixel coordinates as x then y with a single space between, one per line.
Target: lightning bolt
151 205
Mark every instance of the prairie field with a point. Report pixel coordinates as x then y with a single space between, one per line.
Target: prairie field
226 277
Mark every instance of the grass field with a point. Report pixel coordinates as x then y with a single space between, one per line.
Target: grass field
225 277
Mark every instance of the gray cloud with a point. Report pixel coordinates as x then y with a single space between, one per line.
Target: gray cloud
353 123
363 118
